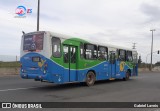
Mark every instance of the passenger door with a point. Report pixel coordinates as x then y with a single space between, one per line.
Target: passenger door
112 64
70 63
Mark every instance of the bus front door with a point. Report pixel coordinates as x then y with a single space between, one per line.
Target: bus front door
70 63
112 64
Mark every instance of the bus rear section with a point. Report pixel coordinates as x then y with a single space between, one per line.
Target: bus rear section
33 60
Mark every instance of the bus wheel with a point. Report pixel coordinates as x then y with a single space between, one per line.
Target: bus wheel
90 78
127 76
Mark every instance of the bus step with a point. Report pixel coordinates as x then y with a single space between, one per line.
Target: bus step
112 79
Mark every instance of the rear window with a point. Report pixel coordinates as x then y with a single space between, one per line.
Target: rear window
33 42
56 47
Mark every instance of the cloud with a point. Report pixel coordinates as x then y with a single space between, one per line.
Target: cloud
119 22
152 11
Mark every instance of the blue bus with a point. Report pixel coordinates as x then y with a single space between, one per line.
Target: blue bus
59 58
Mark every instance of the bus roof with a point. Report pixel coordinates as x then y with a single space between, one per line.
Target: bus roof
64 36
89 41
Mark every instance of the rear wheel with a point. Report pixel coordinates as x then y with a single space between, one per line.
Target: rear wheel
37 79
90 78
127 76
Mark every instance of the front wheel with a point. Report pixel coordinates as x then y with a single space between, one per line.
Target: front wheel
90 78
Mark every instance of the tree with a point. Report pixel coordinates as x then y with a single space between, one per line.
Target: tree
157 63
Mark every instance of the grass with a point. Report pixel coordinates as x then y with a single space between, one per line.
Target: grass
9 64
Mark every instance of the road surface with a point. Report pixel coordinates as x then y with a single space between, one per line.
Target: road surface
144 88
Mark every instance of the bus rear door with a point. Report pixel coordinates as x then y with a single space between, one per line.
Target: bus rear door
70 63
112 64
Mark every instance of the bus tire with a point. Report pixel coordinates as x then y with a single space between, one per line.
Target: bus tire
126 76
36 79
90 78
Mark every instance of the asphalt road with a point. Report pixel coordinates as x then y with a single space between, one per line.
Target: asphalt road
144 88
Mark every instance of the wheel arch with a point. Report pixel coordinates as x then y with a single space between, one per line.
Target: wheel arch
129 70
91 70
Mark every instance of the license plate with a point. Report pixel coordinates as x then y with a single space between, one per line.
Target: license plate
36 59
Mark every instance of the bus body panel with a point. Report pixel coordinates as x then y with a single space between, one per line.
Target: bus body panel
56 73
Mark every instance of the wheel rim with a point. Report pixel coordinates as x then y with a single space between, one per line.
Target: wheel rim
90 79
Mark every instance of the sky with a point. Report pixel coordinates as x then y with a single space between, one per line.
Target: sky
117 22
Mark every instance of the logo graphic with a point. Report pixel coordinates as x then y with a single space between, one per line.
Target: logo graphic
21 11
6 105
41 63
122 64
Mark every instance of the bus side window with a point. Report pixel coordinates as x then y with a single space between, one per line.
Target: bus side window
90 51
129 56
95 52
134 57
56 47
102 53
122 55
81 50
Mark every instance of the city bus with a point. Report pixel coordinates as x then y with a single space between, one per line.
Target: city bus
58 58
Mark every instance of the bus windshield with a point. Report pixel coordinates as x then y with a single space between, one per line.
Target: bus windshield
33 42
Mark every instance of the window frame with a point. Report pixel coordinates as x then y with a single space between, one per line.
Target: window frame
60 53
124 59
81 47
103 53
31 36
95 48
134 56
127 56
